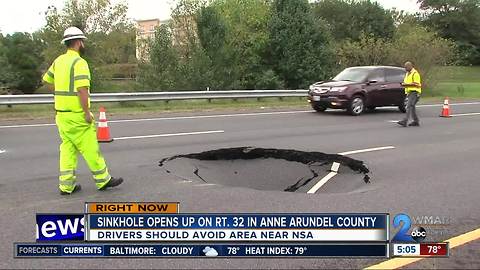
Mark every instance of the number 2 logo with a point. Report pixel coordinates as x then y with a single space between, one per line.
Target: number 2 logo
402 234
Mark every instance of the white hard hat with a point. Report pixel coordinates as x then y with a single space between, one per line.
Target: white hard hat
73 33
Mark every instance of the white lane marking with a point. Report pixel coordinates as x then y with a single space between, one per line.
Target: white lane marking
204 185
169 135
453 104
173 118
441 104
322 182
33 125
367 150
336 166
464 114
452 115
2 151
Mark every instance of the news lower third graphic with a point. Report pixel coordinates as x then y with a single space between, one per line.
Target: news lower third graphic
158 229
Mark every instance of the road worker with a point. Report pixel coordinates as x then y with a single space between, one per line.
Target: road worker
69 78
413 89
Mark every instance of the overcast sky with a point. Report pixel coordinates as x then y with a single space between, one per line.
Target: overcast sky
27 15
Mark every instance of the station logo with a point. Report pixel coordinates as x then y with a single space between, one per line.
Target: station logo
403 222
418 234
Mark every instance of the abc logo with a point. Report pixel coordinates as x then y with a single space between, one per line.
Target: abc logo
418 234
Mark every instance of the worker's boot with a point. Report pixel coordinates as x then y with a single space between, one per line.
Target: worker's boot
402 123
112 183
75 189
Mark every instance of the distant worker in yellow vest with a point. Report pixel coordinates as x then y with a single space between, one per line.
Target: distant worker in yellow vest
70 77
413 89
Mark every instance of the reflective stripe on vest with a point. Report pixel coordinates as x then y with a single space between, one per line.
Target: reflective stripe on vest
71 87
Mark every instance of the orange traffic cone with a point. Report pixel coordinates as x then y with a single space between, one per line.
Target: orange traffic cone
103 131
446 109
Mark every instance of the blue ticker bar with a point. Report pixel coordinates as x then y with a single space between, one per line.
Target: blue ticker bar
73 250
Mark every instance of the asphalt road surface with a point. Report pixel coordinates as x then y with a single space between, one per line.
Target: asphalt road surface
432 170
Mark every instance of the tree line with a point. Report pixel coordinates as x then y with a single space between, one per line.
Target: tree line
111 41
250 44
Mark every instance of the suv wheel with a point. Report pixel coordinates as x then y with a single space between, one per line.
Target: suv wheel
403 107
319 108
356 106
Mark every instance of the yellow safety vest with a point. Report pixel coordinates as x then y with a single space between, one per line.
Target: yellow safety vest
68 73
411 77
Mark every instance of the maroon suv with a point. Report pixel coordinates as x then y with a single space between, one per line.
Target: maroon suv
359 88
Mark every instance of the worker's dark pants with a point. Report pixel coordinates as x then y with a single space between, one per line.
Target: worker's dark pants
412 98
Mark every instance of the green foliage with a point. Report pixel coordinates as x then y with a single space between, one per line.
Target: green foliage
194 69
7 75
248 44
349 19
435 51
103 22
111 35
116 47
458 74
260 44
161 70
220 46
404 46
127 71
20 62
212 32
300 46
367 51
268 79
235 36
457 20
92 16
401 17
177 61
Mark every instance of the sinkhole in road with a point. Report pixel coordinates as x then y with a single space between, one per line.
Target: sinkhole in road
264 168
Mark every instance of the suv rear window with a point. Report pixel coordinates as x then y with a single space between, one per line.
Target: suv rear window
395 75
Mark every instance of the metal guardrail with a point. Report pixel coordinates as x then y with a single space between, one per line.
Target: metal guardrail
153 96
